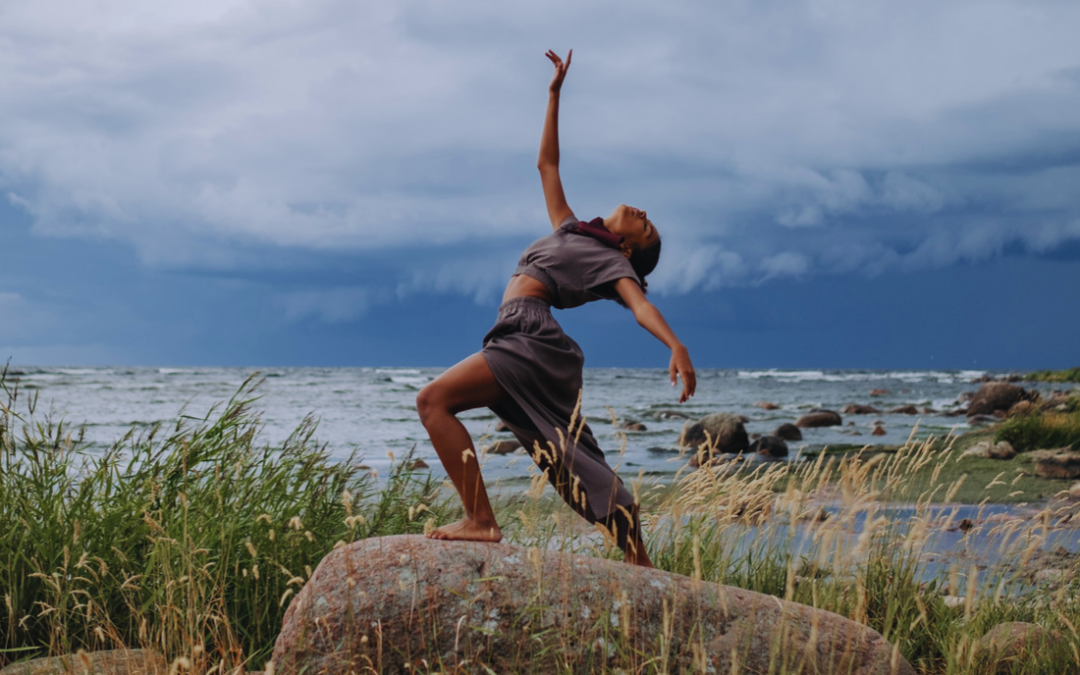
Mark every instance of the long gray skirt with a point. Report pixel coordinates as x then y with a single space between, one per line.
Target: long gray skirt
539 367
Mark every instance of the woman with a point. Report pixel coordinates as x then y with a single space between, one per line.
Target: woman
529 371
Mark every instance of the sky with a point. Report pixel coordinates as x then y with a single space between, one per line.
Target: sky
838 183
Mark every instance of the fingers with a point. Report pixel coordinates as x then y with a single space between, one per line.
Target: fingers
569 56
674 374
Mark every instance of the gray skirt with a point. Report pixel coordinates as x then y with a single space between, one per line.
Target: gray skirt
539 367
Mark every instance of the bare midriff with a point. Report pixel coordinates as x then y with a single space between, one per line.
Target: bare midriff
522 285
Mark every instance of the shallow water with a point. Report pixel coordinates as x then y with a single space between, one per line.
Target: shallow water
373 409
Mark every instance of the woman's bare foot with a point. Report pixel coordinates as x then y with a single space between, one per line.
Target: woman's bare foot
467 529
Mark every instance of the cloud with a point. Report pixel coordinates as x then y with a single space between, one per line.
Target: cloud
776 139
333 306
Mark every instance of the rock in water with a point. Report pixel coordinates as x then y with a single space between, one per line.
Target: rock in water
905 410
994 396
857 409
108 662
821 418
878 430
766 405
397 603
726 434
769 446
788 432
503 447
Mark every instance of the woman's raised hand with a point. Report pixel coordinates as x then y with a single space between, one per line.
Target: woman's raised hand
560 69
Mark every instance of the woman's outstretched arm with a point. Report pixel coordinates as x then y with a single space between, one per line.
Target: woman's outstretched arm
650 318
548 162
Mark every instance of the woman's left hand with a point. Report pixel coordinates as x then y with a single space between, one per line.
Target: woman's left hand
560 69
681 367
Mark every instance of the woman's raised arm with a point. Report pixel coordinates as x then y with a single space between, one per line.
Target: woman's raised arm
548 162
650 318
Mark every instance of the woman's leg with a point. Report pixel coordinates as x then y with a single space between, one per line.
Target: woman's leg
470 384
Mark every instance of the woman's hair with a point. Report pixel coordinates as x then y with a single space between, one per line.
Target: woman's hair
644 262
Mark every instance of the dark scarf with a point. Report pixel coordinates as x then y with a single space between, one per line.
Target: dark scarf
595 229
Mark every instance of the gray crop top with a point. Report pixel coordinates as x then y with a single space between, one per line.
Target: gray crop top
575 268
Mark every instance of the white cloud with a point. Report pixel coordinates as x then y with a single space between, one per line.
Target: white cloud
186 128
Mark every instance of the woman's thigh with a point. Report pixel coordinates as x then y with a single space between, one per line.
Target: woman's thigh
468 384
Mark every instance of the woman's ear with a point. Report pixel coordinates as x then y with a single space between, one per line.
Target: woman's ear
625 250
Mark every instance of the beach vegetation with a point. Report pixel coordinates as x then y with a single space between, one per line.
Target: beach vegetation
1067 375
191 538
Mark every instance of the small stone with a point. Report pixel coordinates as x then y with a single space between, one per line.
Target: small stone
878 431
765 405
417 464
633 425
503 447
501 426
880 392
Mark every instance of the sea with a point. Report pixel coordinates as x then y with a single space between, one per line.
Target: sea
372 410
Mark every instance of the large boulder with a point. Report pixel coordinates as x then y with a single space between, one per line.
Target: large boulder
399 604
994 396
819 418
107 662
715 434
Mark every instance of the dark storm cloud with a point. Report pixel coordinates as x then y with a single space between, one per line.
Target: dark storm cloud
770 140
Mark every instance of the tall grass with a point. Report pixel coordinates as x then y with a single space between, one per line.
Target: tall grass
189 538
192 539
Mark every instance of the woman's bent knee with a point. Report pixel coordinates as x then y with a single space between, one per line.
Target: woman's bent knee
428 403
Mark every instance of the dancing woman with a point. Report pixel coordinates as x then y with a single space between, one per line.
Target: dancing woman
529 371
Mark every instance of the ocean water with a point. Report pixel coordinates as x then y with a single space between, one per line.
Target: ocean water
373 409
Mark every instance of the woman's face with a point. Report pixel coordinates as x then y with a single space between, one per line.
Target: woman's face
633 226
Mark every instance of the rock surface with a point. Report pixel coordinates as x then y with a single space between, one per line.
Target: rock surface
769 446
766 405
788 432
504 447
1007 643
994 396
632 425
725 434
109 662
821 418
878 430
396 603
988 450
1060 463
